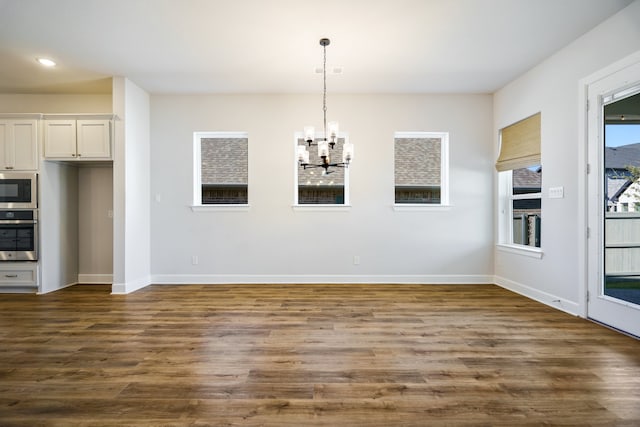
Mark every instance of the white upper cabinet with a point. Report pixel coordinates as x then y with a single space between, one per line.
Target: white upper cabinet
60 139
18 144
81 139
94 139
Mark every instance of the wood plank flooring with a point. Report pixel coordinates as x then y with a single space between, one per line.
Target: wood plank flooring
308 355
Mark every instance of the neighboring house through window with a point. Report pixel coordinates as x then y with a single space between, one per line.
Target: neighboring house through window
421 168
622 164
520 176
220 168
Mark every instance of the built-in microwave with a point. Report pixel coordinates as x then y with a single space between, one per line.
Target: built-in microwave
18 190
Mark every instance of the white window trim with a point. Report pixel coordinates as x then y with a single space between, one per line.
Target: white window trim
524 250
418 207
297 207
444 173
197 205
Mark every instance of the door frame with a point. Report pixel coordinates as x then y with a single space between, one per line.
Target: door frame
588 229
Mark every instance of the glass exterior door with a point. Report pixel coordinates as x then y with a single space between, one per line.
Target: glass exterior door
613 192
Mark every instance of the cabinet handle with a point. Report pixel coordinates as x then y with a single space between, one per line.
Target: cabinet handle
73 155
8 167
11 275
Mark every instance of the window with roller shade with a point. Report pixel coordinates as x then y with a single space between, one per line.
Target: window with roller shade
421 168
220 168
519 165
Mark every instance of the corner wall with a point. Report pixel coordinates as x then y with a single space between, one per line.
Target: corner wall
131 238
553 89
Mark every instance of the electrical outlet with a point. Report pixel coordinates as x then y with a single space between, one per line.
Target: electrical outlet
356 260
194 260
110 213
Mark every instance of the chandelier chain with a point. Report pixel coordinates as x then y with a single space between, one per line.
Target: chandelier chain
324 92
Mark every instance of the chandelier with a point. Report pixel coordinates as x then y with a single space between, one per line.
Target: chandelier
330 136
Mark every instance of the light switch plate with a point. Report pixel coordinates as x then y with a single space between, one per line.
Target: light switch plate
556 192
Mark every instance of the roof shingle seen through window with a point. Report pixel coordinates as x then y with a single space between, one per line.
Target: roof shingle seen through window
527 178
418 161
224 160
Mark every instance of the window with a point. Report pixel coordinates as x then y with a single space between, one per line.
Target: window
421 168
526 205
521 177
315 186
220 168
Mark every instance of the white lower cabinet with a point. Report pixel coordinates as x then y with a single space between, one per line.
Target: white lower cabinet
19 276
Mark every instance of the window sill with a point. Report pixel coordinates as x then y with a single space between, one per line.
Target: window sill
220 208
418 207
321 208
520 250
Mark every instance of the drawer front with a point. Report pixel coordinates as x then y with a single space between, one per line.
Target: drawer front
22 277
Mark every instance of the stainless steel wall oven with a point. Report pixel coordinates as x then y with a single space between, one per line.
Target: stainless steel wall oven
19 235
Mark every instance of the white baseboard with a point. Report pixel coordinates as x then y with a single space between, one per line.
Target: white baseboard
540 296
48 291
98 279
131 286
286 279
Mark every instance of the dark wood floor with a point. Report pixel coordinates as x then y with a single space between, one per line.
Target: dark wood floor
299 355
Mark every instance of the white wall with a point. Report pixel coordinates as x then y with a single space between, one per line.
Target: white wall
272 242
131 240
95 235
553 89
52 104
58 224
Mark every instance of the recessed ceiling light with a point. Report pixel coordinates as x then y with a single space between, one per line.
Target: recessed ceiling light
46 62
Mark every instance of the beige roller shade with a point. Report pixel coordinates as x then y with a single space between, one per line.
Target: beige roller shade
520 146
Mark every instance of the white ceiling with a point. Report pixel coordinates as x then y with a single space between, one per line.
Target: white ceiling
271 46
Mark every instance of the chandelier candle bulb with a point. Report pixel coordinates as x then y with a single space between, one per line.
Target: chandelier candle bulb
301 149
347 152
309 134
333 131
323 148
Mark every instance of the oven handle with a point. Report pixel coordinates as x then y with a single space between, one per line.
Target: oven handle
17 221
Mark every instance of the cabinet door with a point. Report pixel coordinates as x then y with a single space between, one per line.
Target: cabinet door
25 149
18 145
60 139
4 140
94 139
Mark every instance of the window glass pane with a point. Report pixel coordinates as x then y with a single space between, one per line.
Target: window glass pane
621 203
527 213
526 222
418 170
317 186
224 170
527 180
